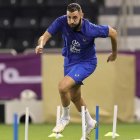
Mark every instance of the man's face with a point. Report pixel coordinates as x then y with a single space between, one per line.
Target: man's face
74 19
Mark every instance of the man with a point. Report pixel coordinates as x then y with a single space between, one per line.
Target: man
79 58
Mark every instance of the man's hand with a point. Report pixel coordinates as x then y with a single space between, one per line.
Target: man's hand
42 41
39 49
112 57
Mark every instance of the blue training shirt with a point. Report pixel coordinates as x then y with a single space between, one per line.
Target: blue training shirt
79 46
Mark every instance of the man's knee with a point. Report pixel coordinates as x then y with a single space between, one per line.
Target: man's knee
65 85
62 87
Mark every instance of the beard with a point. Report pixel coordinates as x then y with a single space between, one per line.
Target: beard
76 27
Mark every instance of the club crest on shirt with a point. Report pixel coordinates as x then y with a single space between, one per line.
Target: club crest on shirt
75 47
84 40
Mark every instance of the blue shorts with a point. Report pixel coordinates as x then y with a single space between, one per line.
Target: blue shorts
80 71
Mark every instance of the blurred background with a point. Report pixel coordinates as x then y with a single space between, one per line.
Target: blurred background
23 21
31 80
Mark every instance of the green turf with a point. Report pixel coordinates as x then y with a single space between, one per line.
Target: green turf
72 132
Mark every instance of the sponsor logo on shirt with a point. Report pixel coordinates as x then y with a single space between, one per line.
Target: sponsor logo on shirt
75 47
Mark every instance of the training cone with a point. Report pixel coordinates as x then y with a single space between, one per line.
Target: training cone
110 134
55 135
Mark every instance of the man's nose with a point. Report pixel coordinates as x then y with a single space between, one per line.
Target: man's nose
71 21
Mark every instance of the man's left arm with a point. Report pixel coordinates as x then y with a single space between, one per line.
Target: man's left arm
113 37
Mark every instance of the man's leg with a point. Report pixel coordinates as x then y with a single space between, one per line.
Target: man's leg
75 94
78 101
64 87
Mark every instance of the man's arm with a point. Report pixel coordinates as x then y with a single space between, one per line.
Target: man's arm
113 37
42 41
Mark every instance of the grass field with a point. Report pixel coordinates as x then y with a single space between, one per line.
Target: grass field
72 132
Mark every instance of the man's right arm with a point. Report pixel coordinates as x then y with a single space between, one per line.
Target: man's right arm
52 30
42 41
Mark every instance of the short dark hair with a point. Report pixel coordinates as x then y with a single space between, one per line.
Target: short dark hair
73 7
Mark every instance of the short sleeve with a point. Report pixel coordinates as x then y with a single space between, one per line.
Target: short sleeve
99 30
55 26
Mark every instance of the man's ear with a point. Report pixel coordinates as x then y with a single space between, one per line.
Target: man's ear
82 14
